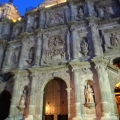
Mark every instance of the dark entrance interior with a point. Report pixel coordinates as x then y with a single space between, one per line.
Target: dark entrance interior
5 98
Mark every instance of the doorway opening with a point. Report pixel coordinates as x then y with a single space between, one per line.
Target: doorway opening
55 104
5 98
117 97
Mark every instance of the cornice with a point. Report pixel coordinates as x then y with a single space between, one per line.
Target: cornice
113 68
109 21
49 69
3 41
54 28
19 72
14 42
80 65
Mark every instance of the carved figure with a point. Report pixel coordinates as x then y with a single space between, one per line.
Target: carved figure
22 104
35 23
55 48
31 55
106 13
84 47
56 18
13 58
80 13
114 40
89 94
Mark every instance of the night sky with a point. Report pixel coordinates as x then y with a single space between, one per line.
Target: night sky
23 4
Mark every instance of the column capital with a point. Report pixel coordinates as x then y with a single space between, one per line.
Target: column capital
100 62
82 67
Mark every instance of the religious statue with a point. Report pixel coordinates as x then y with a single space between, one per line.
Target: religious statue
89 94
114 40
106 13
80 13
22 104
35 23
31 55
84 47
13 58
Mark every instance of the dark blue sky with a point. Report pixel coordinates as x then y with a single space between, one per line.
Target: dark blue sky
23 4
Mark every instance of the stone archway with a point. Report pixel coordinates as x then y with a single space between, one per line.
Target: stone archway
117 97
5 100
55 104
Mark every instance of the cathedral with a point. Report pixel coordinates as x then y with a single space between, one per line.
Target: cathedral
61 61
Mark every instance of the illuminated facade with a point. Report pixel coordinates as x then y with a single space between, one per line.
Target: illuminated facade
62 62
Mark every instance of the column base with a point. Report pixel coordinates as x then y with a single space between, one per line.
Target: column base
77 118
30 117
90 117
105 116
17 117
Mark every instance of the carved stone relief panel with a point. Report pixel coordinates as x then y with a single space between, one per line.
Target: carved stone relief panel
32 23
107 9
1 28
110 40
6 31
17 30
12 57
55 17
54 47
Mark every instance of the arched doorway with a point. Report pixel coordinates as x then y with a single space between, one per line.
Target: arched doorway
55 100
117 97
5 98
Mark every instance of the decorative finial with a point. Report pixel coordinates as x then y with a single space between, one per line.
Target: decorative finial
11 1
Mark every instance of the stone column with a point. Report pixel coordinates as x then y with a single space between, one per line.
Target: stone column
32 97
106 97
97 48
90 6
38 51
2 53
68 99
72 9
41 104
21 58
74 48
68 45
77 96
42 18
13 105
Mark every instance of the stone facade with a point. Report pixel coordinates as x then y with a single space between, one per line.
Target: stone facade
75 42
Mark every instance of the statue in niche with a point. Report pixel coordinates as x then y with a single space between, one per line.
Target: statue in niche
106 12
84 47
56 18
80 13
35 23
14 57
31 55
114 40
22 104
89 94
17 32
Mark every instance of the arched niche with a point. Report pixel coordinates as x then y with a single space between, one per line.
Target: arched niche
117 97
116 62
